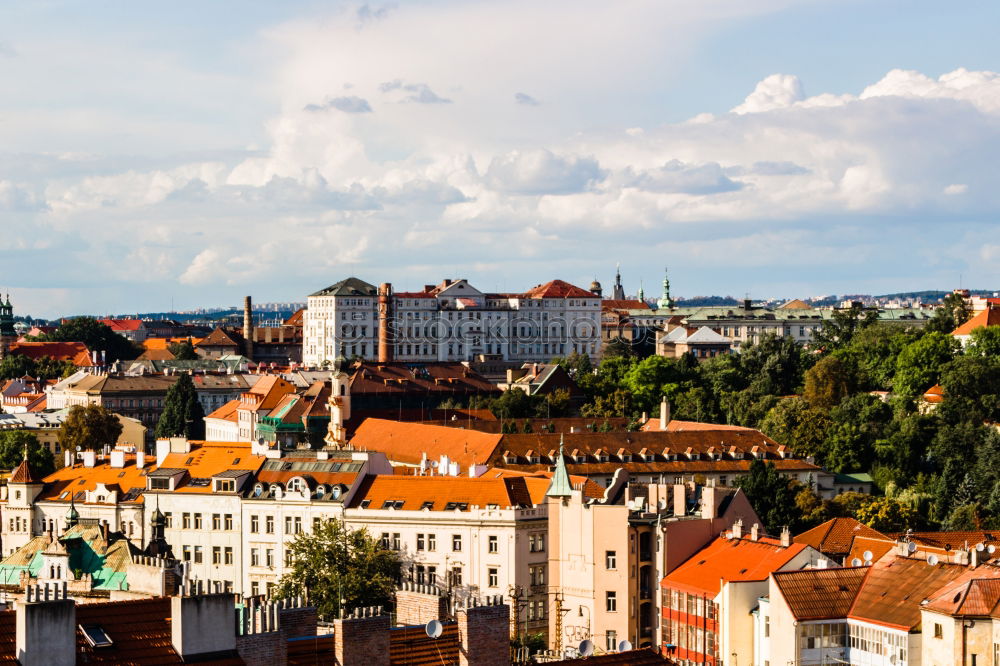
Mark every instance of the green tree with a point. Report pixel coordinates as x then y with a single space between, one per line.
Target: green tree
872 353
886 515
971 389
771 495
554 404
49 368
984 341
774 365
647 380
12 452
797 425
919 364
182 415
954 312
340 569
97 336
183 351
90 428
617 404
17 365
857 424
828 382
839 330
513 404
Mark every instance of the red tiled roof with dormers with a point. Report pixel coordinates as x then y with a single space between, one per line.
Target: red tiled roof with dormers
436 493
74 352
558 289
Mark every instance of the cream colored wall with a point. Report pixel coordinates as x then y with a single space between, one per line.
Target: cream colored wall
611 532
784 629
947 650
736 600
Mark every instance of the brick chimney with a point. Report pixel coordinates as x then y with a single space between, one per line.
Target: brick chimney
362 639
755 532
248 326
664 413
203 625
45 631
484 633
737 530
386 334
786 536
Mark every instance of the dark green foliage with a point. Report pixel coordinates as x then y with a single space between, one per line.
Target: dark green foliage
97 336
12 452
953 313
183 351
182 415
919 364
771 495
840 329
14 366
340 569
90 428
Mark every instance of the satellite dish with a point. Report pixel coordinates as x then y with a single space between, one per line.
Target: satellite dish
260 440
856 562
932 559
625 646
867 555
586 648
980 547
991 549
868 563
433 464
433 629
911 547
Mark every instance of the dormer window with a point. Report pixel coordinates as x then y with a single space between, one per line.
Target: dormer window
159 483
392 504
225 485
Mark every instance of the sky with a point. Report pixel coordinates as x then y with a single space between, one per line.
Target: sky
182 155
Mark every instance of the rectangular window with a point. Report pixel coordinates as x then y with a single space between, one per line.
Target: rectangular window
227 523
216 555
456 542
254 524
611 602
385 540
494 544
420 542
432 542
610 559
397 543
938 630
187 553
269 556
494 577
197 521
611 640
168 518
288 524
297 525
255 557
216 522
228 552
186 520
197 555
269 524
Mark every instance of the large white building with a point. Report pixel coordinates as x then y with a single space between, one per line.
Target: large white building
453 321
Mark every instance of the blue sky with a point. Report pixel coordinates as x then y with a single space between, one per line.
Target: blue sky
194 153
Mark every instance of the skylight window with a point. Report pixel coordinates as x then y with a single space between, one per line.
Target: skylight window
96 635
427 505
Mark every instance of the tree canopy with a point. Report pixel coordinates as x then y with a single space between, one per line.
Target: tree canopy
340 569
97 336
183 415
183 351
91 428
12 444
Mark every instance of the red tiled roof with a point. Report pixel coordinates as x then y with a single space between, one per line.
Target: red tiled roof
416 491
953 539
221 338
934 394
820 594
895 586
297 318
835 536
440 378
77 479
23 474
609 304
641 657
558 289
877 546
75 352
730 560
405 442
988 317
227 412
122 324
413 294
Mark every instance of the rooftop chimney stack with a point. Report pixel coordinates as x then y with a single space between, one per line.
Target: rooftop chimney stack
46 627
664 413
248 326
786 536
386 337
203 624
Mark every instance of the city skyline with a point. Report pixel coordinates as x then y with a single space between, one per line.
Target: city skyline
180 159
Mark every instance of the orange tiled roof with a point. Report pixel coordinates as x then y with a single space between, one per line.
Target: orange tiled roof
436 491
675 425
727 560
895 586
122 324
227 412
221 338
988 317
974 593
820 594
609 304
934 394
950 540
297 318
266 393
591 489
156 355
68 482
208 459
877 546
558 289
163 343
23 474
74 352
835 536
405 442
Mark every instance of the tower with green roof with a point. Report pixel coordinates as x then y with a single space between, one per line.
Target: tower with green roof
8 334
665 302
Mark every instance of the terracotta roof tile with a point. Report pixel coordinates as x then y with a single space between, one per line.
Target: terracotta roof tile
405 442
974 593
77 479
436 492
835 536
820 594
730 560
895 586
988 317
642 657
74 352
227 412
558 289
208 459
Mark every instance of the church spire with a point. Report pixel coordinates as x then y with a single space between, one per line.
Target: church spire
618 294
665 302
560 486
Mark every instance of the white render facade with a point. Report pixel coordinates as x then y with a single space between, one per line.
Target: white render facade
454 321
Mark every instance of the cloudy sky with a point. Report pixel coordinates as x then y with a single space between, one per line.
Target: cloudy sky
191 153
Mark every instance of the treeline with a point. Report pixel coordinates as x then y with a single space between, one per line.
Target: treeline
852 400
